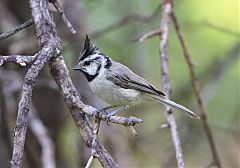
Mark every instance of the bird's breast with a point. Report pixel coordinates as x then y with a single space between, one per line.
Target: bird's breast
113 94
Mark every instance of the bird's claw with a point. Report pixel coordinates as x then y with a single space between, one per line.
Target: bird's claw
103 111
98 113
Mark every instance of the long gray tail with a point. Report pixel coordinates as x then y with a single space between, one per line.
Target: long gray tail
177 106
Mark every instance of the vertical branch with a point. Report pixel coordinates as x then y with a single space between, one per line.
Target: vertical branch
24 107
164 27
46 143
196 88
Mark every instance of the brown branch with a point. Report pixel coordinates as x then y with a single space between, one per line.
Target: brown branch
19 59
45 34
17 29
60 73
24 105
62 14
196 88
167 9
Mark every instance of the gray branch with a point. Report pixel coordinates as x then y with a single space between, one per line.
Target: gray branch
41 133
17 29
19 59
167 9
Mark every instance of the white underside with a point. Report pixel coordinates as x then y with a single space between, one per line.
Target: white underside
113 94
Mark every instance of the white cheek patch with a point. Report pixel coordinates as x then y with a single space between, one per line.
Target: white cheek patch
92 69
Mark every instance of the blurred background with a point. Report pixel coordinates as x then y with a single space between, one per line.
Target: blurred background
211 31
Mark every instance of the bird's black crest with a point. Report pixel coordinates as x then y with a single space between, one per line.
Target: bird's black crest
89 49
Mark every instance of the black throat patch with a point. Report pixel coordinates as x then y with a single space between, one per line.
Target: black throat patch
91 77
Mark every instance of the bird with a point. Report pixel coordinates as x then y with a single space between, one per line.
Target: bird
116 84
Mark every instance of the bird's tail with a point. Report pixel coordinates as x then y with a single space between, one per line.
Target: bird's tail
177 106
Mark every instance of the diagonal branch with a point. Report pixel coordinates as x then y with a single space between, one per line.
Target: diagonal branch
24 105
17 29
196 88
60 73
148 35
62 14
167 9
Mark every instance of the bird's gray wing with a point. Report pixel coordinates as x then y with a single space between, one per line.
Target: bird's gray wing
125 78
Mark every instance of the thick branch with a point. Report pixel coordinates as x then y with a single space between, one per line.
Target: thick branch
196 88
60 73
164 28
24 105
17 29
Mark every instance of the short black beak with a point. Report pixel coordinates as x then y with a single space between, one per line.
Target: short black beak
77 67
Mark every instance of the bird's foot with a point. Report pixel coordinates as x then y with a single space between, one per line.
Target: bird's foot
103 111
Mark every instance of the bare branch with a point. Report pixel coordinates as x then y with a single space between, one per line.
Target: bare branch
62 14
126 121
90 160
19 59
17 29
167 9
41 133
148 35
24 105
60 73
196 88
46 34
95 138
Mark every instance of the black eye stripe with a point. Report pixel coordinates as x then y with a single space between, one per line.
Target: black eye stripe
96 58
86 63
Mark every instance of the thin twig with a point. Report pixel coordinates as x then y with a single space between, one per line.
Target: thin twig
148 35
164 28
90 160
17 29
23 60
62 14
132 130
196 88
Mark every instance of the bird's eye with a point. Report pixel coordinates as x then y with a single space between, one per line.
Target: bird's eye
87 63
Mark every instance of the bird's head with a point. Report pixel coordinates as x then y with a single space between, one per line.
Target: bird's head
92 61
